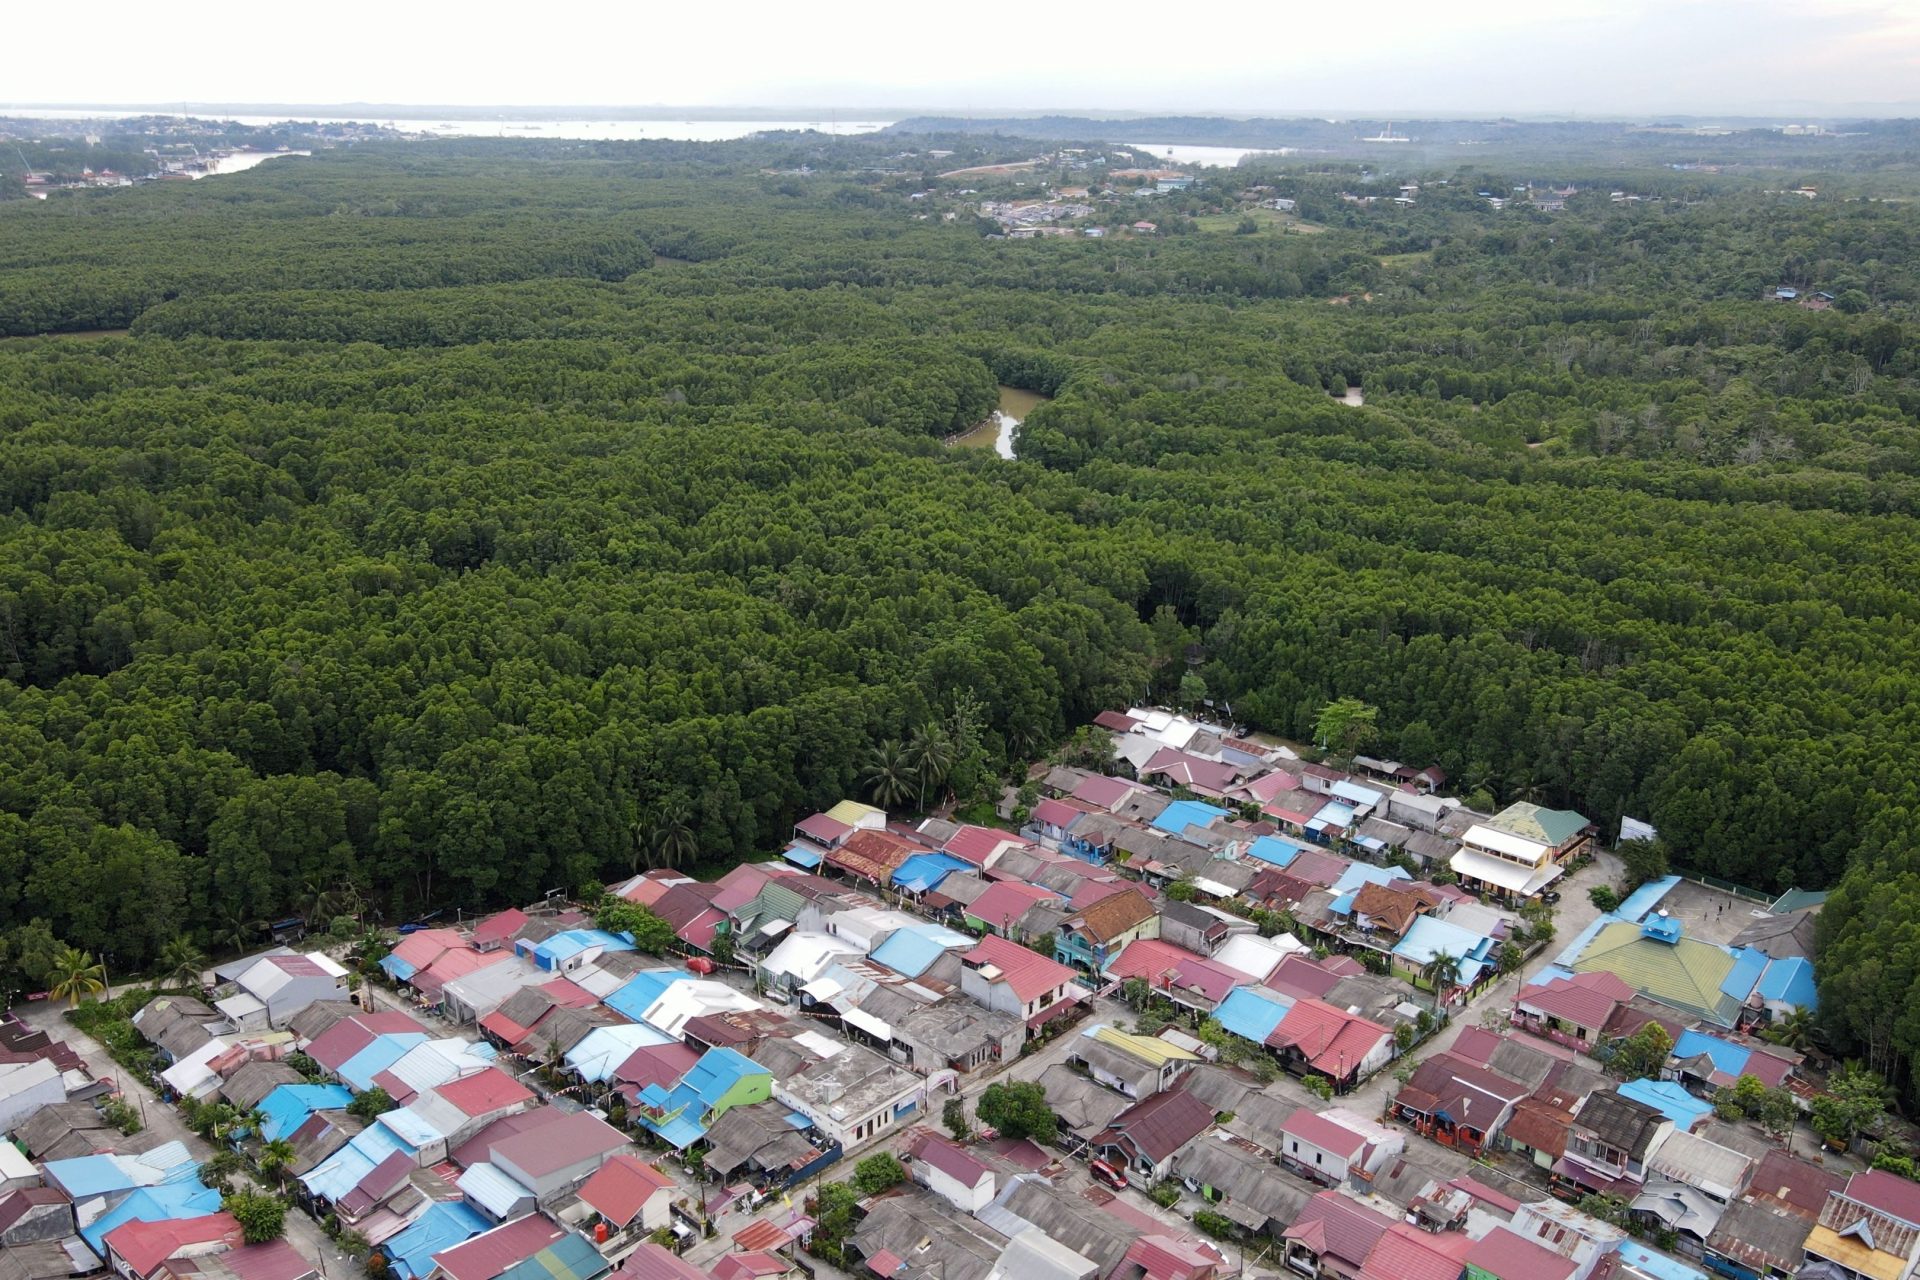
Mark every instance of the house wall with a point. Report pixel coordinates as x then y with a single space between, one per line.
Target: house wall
43 1222
657 1212
1314 1161
560 1182
952 1190
300 993
46 1091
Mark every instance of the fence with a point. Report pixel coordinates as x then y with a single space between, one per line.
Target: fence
1737 890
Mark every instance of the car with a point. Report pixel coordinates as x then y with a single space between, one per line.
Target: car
1550 897
1107 1174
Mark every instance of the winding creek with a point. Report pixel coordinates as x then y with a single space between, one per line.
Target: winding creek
997 430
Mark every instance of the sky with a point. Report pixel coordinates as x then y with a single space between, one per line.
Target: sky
1562 58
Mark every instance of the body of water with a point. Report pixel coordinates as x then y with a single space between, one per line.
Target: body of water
501 127
1207 157
998 429
240 161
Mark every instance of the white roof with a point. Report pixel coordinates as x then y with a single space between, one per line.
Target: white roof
264 976
1635 829
603 1049
1034 1255
240 1006
1372 1130
485 990
1481 836
13 1165
863 924
232 969
868 1023
1213 887
1256 956
825 1046
1497 871
597 982
433 1063
491 1189
191 1075
692 998
1136 748
805 956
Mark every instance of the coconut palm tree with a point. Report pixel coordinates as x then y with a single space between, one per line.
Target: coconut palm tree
276 1158
76 974
674 840
930 751
1793 1031
889 774
183 963
236 929
1441 972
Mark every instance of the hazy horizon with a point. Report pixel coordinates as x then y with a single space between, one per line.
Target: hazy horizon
1559 59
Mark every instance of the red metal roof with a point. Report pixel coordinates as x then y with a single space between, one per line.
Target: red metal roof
275 1260
885 1262
1056 813
484 1091
1103 791
820 827
1328 1135
1406 1253
951 1159
1030 974
1334 1225
978 844
1118 721
499 927
1888 1192
1583 1004
1164 1257
1510 1256
661 1064
743 1266
1151 959
1159 1125
763 1234
568 1140
621 1187
874 855
652 1262
1332 1040
145 1245
480 1146
1007 900
1784 1181
485 1256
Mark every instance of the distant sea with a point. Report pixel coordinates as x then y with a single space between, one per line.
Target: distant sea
504 127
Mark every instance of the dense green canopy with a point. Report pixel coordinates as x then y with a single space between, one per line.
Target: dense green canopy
453 511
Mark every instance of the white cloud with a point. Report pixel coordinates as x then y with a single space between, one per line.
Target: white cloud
1478 56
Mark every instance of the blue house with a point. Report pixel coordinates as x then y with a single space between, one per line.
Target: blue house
445 1224
292 1105
721 1080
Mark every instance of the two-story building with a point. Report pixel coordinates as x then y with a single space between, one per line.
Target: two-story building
1334 1145
1870 1230
1011 979
1609 1143
1090 937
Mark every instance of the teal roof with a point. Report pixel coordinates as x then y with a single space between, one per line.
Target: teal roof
571 1257
1545 826
1181 814
1252 1014
1797 900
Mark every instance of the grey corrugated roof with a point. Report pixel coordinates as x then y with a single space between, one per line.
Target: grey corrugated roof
959 1248
1244 1177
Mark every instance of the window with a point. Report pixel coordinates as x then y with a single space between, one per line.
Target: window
1317 1159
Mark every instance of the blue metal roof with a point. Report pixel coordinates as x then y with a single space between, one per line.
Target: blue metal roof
1646 898
571 942
912 951
924 871
166 1203
410 1127
1727 1056
1181 814
397 969
1790 981
1426 937
491 1189
1657 1265
445 1224
1277 850
801 854
291 1105
1362 873
571 1257
381 1052
1332 814
1357 795
718 1071
1748 965
83 1176
1251 1013
641 990
1669 1099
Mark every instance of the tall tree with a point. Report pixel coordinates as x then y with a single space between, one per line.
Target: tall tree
76 975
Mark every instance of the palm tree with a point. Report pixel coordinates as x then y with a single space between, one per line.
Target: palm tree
183 963
1442 972
930 752
75 974
237 929
1794 1031
674 841
889 774
276 1158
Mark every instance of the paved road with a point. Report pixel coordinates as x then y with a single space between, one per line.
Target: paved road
1575 912
161 1118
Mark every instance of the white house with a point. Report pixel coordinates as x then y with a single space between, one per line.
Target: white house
274 988
952 1173
25 1087
1334 1145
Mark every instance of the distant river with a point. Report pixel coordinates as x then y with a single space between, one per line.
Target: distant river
1205 157
506 126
